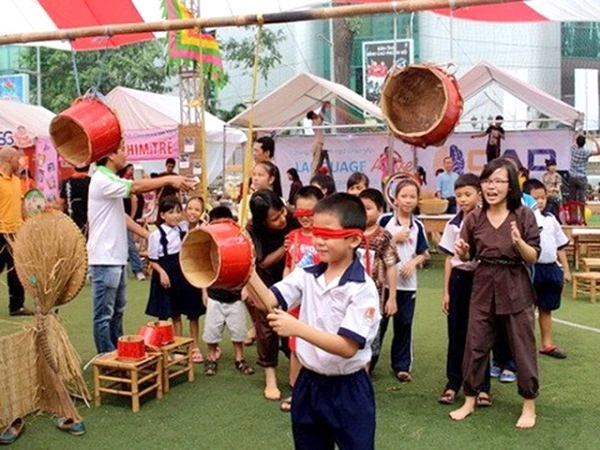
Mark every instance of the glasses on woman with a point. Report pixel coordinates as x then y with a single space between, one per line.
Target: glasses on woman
495 183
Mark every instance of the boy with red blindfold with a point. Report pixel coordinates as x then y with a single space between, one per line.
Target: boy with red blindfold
300 252
334 401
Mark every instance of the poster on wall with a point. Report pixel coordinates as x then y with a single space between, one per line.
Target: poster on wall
367 153
46 169
15 88
378 59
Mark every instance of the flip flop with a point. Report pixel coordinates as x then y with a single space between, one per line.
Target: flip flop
447 397
553 351
485 400
272 394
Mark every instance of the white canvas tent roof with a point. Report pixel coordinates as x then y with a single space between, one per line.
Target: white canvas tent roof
291 101
35 119
484 73
140 110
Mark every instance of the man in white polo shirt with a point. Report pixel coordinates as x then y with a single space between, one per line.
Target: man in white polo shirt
107 242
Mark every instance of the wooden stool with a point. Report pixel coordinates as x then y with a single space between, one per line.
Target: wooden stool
589 264
177 360
135 377
585 283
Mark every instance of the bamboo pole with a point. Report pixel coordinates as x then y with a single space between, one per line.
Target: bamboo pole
403 6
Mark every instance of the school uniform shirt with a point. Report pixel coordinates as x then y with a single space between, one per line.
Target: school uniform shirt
449 238
416 244
348 306
552 239
155 248
107 241
528 201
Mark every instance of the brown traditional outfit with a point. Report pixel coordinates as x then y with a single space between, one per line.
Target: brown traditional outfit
502 298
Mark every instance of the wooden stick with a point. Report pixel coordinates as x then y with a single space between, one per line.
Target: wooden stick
403 6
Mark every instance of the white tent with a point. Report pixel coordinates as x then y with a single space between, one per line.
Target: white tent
35 119
483 74
140 110
291 101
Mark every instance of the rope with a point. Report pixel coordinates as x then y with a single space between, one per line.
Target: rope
248 156
102 65
75 71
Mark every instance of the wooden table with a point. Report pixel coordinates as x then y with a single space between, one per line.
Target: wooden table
176 360
130 378
583 236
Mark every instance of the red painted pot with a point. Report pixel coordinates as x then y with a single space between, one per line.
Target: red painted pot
165 329
421 104
86 132
151 336
219 254
131 347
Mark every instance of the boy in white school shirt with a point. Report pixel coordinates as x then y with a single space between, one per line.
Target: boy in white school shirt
334 403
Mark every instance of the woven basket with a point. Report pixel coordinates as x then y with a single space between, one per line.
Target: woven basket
421 104
433 206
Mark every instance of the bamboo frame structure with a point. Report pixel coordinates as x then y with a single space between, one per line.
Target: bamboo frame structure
403 6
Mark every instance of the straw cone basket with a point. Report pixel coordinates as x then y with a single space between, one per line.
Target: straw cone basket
50 258
51 262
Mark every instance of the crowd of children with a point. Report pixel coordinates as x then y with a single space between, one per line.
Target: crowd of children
342 268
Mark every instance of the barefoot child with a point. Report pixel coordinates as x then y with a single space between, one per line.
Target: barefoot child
300 252
224 308
503 237
458 283
383 260
171 295
411 243
334 401
549 277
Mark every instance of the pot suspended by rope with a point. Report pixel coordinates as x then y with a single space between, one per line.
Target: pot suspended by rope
86 131
421 104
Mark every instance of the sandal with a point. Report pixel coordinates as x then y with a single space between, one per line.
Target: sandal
286 405
197 357
484 400
447 397
12 432
243 367
404 377
273 394
554 351
70 426
210 368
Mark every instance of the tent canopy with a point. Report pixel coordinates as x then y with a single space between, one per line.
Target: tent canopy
291 101
35 119
140 110
483 74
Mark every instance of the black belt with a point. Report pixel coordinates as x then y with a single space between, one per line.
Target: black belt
500 262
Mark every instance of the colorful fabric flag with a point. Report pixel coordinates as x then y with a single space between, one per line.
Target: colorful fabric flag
192 44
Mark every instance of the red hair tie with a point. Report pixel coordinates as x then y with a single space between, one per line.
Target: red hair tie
328 233
304 213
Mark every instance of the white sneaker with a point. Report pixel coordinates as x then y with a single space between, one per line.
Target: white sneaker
140 276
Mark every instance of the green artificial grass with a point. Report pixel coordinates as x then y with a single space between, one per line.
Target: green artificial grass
228 410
